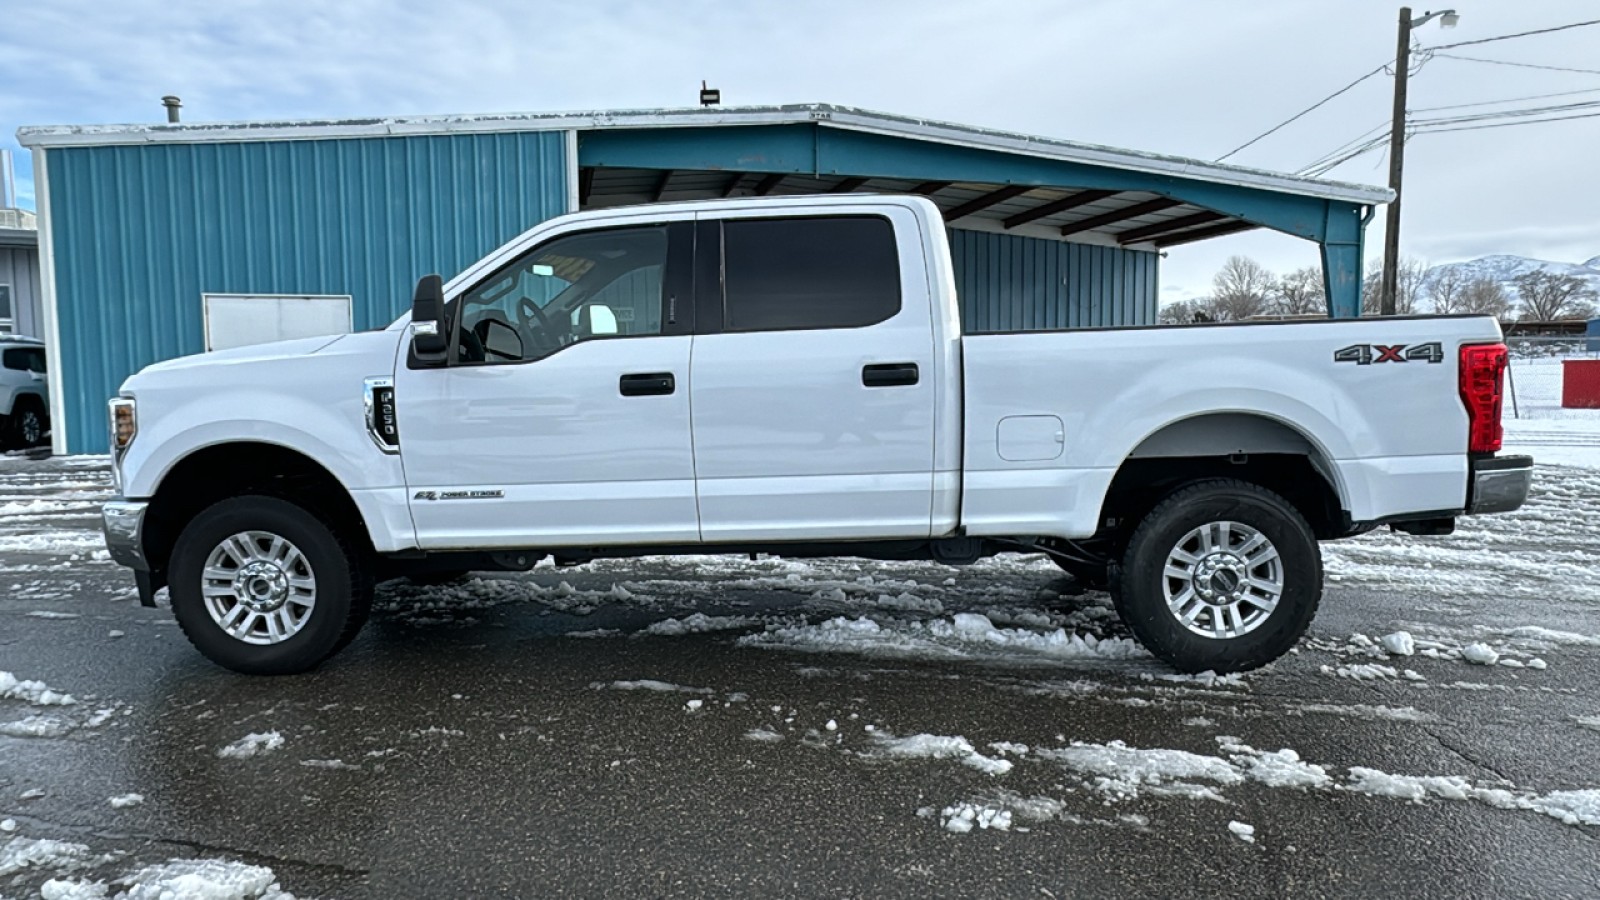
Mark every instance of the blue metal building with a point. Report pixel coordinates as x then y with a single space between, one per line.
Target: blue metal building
139 223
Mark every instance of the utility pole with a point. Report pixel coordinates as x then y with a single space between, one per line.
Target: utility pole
1397 152
1389 291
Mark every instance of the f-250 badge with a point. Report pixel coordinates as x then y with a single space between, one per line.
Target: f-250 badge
1371 354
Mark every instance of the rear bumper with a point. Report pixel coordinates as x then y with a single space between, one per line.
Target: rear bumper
123 522
1499 484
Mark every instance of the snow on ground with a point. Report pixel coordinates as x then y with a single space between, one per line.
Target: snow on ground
962 636
1537 424
937 746
35 692
123 801
178 879
252 745
1243 832
648 684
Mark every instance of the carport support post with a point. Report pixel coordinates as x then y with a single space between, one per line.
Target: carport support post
1341 258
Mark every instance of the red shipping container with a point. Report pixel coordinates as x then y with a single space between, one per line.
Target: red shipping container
1580 383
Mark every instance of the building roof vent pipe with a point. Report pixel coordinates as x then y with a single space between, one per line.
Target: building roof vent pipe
173 104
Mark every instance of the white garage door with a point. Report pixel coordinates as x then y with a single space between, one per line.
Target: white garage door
238 320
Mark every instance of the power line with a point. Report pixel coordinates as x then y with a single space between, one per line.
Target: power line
1507 37
1504 62
1591 115
1507 100
1508 114
1303 112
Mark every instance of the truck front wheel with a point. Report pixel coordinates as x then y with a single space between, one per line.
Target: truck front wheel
264 587
1222 575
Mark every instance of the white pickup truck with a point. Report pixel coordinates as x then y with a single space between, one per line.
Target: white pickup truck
789 376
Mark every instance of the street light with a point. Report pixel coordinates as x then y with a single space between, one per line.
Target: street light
1397 147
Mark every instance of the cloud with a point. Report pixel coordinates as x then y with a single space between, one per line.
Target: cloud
1162 75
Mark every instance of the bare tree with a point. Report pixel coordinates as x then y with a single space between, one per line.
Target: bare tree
1408 287
1300 293
1446 290
1244 288
1187 312
1484 297
1548 297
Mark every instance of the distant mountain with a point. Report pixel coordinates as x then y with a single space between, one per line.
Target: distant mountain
1505 268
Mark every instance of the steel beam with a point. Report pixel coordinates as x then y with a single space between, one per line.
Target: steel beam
767 184
585 185
661 185
1082 198
985 201
847 185
1144 232
1120 215
1200 234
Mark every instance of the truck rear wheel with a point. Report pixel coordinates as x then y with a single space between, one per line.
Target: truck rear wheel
1222 575
264 587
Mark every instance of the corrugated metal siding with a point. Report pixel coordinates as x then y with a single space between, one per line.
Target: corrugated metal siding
19 267
140 232
1012 283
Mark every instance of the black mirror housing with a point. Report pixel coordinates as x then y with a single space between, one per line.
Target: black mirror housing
429 337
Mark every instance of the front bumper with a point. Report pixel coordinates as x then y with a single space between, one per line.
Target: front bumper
1499 483
123 521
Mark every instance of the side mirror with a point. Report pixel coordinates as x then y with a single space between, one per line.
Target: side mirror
428 337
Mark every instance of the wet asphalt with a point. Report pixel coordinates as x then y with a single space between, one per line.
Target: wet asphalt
483 752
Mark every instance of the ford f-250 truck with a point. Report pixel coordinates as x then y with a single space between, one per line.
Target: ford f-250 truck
789 376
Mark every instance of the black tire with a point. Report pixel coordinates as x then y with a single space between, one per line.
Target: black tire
343 588
27 425
1143 579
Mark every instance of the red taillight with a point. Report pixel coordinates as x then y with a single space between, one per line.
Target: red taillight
1483 368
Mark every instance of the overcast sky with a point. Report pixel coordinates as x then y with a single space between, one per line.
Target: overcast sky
1188 78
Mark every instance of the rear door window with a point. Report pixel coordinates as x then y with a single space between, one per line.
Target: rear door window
809 273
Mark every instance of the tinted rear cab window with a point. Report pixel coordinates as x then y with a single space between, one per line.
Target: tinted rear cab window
23 359
806 273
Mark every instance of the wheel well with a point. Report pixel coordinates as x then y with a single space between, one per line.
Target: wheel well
1142 482
231 470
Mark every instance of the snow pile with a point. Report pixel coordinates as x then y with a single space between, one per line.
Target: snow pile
35 692
962 636
1124 772
1369 711
763 735
1480 654
650 684
123 801
21 853
1399 643
1590 722
1371 672
963 817
699 623
36 727
1243 832
1571 807
252 745
335 764
934 746
1281 768
204 879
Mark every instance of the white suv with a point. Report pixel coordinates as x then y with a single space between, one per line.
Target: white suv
24 393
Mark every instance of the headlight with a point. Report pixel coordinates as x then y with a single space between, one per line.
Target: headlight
124 425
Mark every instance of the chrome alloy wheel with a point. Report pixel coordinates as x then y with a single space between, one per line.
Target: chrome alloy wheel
1223 580
258 587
